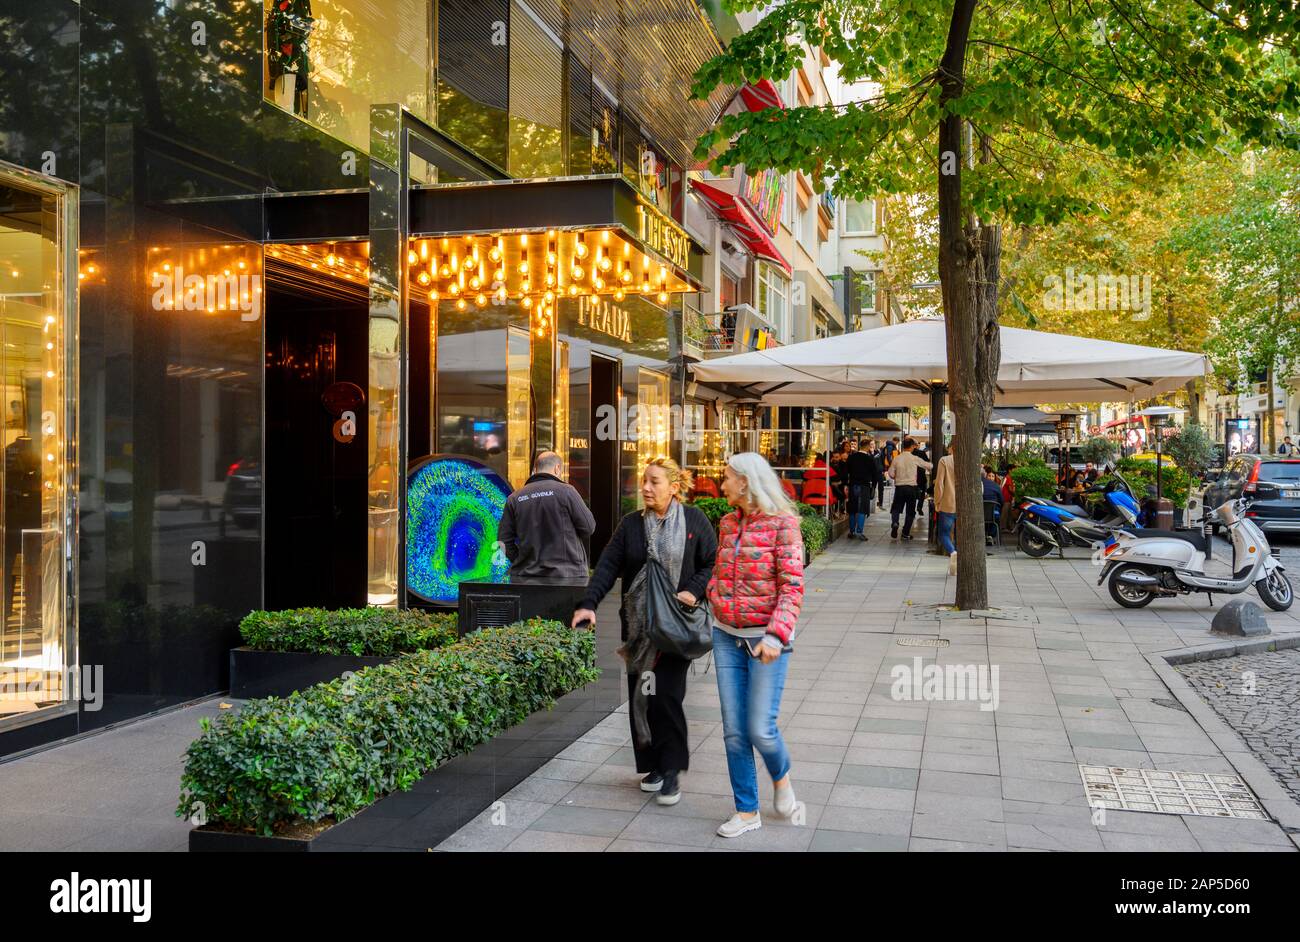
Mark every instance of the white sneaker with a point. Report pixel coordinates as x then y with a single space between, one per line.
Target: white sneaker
783 800
736 825
952 564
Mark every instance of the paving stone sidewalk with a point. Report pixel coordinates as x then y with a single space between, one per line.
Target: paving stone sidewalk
878 773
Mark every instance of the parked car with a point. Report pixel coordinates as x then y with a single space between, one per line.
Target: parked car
1272 483
243 497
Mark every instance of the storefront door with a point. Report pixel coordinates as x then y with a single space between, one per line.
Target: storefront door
604 452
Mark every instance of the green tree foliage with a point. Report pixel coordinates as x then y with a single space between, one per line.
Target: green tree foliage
991 107
1192 448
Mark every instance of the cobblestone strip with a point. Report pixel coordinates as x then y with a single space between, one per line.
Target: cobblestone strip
1258 695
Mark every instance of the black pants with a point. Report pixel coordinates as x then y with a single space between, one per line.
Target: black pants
880 496
905 497
668 750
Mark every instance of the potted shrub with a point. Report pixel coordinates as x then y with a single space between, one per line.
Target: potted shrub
288 650
276 773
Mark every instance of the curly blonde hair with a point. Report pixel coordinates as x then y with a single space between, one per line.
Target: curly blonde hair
676 473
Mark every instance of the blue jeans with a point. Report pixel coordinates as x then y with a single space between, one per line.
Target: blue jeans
750 693
946 522
859 506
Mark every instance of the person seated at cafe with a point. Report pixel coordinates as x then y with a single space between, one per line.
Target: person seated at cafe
990 484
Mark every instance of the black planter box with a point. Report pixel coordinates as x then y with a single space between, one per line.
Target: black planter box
256 673
493 604
205 840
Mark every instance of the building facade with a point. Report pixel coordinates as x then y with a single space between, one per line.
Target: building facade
294 290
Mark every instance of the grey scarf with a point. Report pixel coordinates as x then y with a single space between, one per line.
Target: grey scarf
665 542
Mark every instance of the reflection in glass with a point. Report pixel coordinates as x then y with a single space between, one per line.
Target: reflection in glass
473 75
653 426
536 98
33 656
357 54
562 402
519 416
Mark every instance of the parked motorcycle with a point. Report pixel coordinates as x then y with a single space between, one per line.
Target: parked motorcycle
1148 563
1044 525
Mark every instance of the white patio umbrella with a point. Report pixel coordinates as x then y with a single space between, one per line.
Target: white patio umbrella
897 365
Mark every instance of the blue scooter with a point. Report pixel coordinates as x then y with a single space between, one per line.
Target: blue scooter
1045 525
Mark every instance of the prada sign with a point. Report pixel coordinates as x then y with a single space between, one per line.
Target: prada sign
660 234
606 317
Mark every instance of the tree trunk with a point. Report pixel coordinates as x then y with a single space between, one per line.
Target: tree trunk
969 258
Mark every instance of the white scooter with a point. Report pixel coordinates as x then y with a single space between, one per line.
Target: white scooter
1168 562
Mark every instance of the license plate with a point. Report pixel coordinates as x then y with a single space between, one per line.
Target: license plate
1291 494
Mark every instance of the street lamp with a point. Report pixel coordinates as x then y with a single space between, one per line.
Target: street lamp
1159 417
1004 425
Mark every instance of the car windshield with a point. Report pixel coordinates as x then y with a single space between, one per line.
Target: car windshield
1278 472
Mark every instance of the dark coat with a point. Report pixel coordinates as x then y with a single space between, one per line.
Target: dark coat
863 468
544 529
625 555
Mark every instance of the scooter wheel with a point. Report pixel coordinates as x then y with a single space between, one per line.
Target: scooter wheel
1031 545
1276 591
1129 596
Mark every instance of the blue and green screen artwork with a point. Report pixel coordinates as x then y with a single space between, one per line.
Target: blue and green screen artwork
453 506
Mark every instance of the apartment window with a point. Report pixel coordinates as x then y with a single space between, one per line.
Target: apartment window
866 291
859 217
773 297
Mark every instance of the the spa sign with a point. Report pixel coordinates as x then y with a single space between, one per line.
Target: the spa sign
606 317
660 234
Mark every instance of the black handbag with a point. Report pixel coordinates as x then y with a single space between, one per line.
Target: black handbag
675 627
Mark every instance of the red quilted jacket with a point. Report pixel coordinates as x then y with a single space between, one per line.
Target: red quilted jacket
758 576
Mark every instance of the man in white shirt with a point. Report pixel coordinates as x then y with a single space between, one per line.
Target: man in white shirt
903 471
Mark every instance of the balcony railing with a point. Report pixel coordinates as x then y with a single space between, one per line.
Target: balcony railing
722 332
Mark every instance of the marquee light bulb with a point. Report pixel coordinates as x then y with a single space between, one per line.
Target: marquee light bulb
445 270
527 302
578 273
460 304
573 291
433 295
481 300
663 297
475 283
523 266
605 263
423 277
626 277
618 294
580 249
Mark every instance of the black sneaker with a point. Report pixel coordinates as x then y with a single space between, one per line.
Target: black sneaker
652 782
893 533
907 536
670 793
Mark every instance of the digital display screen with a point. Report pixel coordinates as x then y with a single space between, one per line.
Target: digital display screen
453 507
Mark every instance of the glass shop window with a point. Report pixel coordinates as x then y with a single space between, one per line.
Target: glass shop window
519 417
328 61
37 371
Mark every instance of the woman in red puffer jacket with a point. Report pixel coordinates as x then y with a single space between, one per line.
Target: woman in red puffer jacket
755 594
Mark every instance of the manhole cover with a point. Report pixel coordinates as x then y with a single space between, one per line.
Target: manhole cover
1165 792
923 642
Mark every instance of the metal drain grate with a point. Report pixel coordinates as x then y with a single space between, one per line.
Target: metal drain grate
1163 792
923 642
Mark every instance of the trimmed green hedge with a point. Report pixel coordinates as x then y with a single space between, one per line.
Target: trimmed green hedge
333 749
1035 479
813 525
368 632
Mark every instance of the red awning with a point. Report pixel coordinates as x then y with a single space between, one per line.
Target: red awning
735 213
761 94
1122 422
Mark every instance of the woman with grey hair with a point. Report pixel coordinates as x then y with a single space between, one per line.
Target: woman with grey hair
755 595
